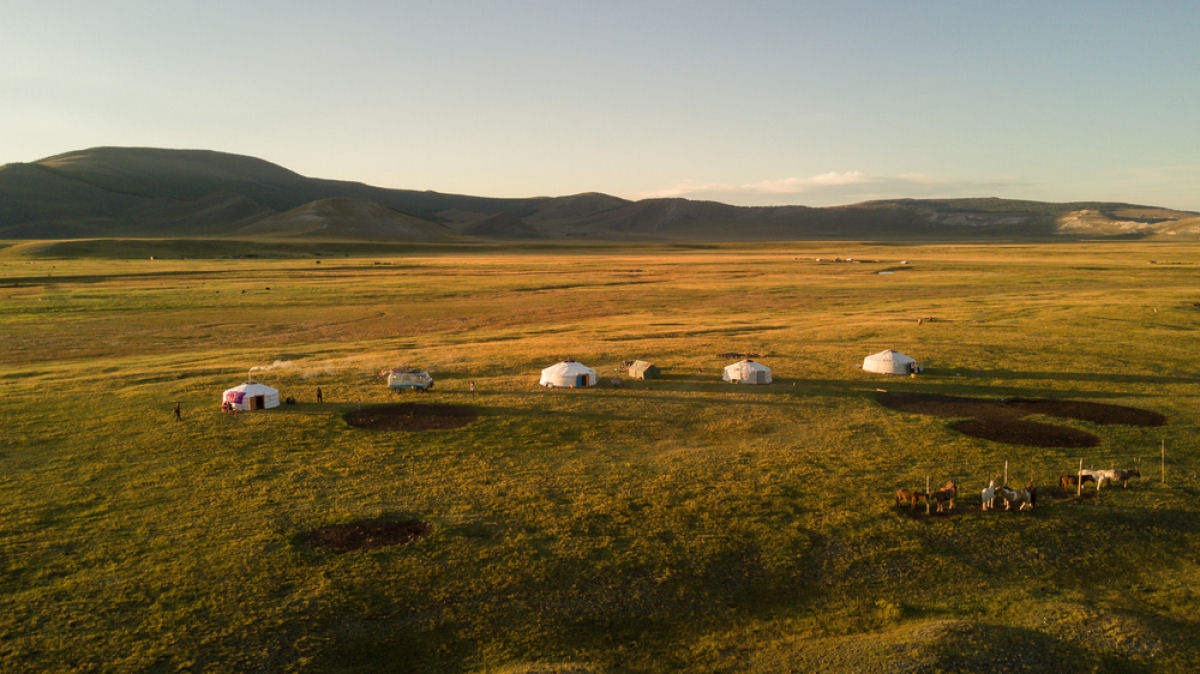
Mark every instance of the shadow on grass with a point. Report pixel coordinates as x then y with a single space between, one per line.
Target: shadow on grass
954 386
782 393
978 647
1102 377
844 388
313 409
1147 522
962 510
592 604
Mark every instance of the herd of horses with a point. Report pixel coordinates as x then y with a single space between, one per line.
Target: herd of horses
1022 499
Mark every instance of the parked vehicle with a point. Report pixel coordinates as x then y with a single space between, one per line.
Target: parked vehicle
418 380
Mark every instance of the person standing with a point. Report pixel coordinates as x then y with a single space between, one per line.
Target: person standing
472 387
319 399
178 413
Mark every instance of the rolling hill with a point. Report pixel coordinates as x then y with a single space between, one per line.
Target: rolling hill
149 192
346 218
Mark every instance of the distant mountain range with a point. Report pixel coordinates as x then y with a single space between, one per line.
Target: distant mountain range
147 192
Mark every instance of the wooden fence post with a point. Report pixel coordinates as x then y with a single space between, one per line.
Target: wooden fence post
1079 480
1006 473
926 493
1164 460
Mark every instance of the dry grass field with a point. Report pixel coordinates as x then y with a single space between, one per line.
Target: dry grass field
680 524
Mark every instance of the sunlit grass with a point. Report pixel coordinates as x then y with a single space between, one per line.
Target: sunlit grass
675 524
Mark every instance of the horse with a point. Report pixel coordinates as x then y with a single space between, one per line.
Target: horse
910 497
1126 475
947 493
1102 476
1022 498
1071 481
988 496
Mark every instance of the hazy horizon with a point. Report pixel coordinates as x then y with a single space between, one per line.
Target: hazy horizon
754 104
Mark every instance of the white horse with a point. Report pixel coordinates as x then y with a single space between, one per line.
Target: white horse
1102 476
989 496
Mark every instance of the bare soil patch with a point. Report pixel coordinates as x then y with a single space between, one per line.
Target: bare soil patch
1017 431
1002 420
1097 413
367 534
412 417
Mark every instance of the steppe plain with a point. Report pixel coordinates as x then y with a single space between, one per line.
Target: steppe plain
681 524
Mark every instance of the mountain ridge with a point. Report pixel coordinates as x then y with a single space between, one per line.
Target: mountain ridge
155 192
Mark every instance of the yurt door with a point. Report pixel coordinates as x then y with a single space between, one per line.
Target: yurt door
256 403
762 377
581 380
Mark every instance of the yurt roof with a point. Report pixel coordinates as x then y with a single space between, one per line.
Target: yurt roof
253 387
754 365
891 356
568 367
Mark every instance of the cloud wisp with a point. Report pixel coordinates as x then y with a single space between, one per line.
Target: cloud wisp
832 188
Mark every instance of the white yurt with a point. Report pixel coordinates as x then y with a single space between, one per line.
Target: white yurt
890 362
747 372
568 374
251 396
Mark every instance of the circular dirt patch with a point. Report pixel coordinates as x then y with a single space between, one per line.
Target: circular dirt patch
412 417
1017 431
1003 420
941 406
1097 413
367 534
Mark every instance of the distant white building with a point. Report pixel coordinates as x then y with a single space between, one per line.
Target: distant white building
747 372
891 362
568 374
251 396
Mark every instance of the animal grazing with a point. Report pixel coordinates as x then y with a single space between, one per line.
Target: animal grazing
1101 476
1032 494
1126 475
1023 499
910 497
1068 482
988 495
947 493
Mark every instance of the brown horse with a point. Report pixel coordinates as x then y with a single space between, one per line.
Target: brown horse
945 494
910 497
1069 482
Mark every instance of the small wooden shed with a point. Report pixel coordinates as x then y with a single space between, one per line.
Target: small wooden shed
644 370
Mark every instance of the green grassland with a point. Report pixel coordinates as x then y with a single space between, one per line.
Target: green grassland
679 524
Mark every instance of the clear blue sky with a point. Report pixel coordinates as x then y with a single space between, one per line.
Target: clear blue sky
745 102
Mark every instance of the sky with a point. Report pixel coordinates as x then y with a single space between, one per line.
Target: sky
752 103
